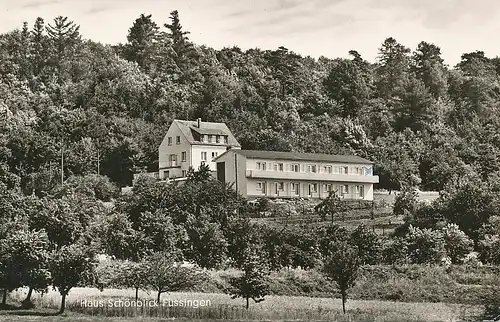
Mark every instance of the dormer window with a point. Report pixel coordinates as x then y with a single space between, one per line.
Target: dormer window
225 139
210 138
217 139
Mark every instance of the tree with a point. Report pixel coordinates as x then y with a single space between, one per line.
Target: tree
166 274
393 68
456 243
428 67
406 202
342 267
69 266
64 37
333 206
349 84
142 36
368 245
425 246
184 51
252 284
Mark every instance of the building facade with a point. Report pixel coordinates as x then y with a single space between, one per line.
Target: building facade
296 175
191 144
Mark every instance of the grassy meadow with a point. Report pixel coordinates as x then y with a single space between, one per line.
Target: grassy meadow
221 306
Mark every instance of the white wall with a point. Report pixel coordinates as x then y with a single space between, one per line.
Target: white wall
304 189
165 150
196 155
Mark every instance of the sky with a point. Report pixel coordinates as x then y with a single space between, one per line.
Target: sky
316 28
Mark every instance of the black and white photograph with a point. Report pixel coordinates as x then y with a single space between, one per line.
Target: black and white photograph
252 160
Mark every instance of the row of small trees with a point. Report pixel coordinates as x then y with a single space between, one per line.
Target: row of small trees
54 240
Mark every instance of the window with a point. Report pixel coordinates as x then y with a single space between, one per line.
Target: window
261 186
313 188
359 191
215 154
296 188
311 168
343 170
183 156
225 139
203 138
261 166
328 187
344 189
173 159
358 171
217 139
184 173
178 140
278 186
203 156
169 140
328 169
295 167
278 167
166 174
210 138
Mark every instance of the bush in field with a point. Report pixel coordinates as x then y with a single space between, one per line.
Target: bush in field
368 244
406 202
489 249
253 283
329 237
470 207
425 246
394 251
342 267
456 243
69 266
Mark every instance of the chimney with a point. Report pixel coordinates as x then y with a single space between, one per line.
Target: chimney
199 123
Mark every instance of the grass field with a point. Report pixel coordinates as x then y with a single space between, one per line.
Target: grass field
275 308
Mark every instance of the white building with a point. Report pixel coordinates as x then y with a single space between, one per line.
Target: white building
290 174
191 144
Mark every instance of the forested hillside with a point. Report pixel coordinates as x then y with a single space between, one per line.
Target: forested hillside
422 122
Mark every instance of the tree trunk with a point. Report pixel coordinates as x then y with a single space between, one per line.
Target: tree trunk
248 303
158 297
4 297
343 301
63 303
136 294
27 301
30 292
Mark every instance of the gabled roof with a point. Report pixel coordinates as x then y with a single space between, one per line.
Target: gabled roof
209 128
296 156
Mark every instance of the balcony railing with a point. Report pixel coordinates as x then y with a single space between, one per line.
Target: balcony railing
171 164
310 176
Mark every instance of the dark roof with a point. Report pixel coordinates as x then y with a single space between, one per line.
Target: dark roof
296 156
208 131
209 128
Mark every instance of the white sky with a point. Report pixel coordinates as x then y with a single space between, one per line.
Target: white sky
309 27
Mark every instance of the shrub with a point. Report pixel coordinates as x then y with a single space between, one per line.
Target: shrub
457 244
425 245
